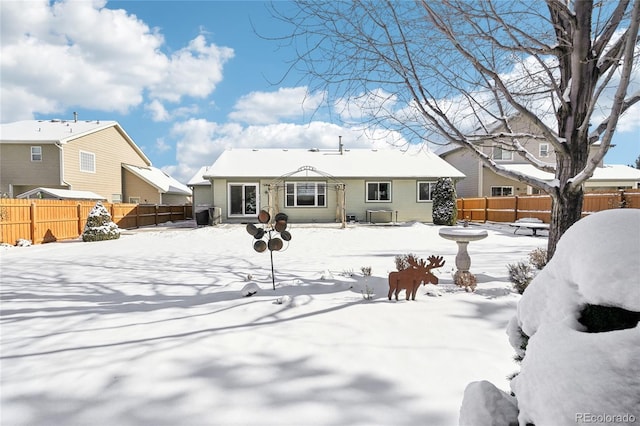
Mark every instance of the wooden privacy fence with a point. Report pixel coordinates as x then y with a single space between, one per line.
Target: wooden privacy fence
510 209
43 221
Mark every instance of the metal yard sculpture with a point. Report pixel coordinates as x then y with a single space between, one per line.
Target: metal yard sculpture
267 236
417 272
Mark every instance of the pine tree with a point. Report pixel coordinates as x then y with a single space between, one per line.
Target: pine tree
445 210
99 226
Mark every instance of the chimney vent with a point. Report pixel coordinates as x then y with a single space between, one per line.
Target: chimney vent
75 117
340 145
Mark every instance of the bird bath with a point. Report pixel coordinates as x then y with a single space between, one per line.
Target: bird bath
462 236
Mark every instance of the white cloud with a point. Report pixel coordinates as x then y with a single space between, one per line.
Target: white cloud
157 110
200 142
95 58
271 107
161 145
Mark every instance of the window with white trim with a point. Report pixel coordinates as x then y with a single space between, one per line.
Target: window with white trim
501 191
36 153
306 194
378 191
544 150
499 153
87 162
425 191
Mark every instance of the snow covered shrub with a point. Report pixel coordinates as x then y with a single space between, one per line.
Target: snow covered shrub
520 275
445 210
99 226
366 271
23 243
538 258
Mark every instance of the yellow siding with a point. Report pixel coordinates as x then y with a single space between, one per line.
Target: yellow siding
111 149
138 188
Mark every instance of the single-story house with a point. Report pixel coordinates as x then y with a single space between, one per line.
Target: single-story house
312 185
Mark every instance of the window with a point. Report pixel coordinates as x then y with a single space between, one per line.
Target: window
500 153
378 191
425 191
36 153
116 198
501 191
306 194
87 162
544 150
134 200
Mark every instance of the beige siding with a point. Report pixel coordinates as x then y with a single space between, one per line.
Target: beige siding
202 195
404 201
111 150
175 199
467 163
491 179
138 188
17 169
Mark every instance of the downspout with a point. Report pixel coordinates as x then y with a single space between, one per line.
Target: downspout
62 182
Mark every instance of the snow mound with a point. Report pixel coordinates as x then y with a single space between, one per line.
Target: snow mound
570 372
249 290
486 405
576 331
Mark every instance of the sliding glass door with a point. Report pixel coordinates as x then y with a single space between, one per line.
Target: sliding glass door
243 199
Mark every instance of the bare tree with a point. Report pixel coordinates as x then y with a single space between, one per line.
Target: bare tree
460 72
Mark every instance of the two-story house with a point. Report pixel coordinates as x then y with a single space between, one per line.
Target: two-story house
96 156
480 181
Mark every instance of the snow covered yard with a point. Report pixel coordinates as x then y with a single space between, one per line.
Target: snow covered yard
152 329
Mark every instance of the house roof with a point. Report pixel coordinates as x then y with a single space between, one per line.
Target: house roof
384 163
58 132
61 194
609 172
197 179
159 179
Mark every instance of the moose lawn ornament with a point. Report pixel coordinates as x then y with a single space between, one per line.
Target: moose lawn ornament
410 278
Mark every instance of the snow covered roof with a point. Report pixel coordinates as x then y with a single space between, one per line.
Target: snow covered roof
197 178
58 131
387 163
608 172
158 179
61 194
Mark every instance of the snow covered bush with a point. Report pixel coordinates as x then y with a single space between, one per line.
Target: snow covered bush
445 210
581 314
99 226
520 275
538 258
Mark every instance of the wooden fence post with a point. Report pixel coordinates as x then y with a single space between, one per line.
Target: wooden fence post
156 216
137 215
486 208
515 209
33 223
79 213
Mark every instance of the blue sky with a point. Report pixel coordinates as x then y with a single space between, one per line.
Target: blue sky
185 79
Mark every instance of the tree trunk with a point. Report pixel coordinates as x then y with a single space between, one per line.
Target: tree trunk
566 209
